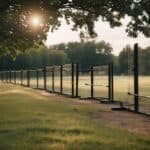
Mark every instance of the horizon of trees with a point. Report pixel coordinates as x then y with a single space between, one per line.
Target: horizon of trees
85 53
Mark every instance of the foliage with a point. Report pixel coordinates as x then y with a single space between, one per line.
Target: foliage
36 58
17 34
126 60
61 54
86 54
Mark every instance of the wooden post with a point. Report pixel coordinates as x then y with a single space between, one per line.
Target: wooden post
136 79
72 78
92 82
77 80
44 76
53 84
110 83
61 79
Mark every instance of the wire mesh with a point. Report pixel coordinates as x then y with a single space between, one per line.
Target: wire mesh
144 83
101 81
85 83
57 78
49 78
130 81
18 77
124 84
67 79
33 78
40 79
24 72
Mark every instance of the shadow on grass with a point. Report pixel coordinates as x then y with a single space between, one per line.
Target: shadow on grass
59 131
6 131
47 140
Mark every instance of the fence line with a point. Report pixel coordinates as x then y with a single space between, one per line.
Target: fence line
67 80
68 74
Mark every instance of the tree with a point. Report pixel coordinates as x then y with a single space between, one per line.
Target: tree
144 61
17 35
125 59
89 53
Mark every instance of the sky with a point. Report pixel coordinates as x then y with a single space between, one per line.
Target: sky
117 37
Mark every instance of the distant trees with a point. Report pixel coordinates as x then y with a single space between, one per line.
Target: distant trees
86 54
144 61
125 60
35 58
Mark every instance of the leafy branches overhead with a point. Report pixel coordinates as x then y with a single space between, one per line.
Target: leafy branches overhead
16 33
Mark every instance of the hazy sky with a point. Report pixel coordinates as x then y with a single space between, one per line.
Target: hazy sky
116 37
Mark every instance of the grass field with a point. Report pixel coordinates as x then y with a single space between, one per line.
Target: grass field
122 85
32 121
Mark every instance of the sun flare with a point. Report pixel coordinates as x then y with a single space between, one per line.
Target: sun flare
36 21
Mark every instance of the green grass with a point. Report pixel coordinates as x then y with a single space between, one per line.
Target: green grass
30 121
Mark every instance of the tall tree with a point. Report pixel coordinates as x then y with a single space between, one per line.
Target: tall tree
125 59
16 33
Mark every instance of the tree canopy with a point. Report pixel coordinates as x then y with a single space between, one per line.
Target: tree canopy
16 33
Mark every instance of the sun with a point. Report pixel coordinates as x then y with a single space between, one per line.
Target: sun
35 21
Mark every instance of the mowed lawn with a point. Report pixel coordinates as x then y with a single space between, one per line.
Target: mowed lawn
32 121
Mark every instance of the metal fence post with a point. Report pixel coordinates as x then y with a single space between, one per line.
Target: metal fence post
21 74
61 79
77 80
136 79
8 79
92 82
3 77
111 83
10 76
44 76
37 79
28 78
72 78
15 77
6 76
53 86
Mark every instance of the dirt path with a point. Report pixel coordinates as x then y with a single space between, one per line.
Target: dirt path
104 114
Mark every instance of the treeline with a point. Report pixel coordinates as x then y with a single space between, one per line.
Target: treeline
86 54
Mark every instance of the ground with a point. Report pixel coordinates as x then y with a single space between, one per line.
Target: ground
33 119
